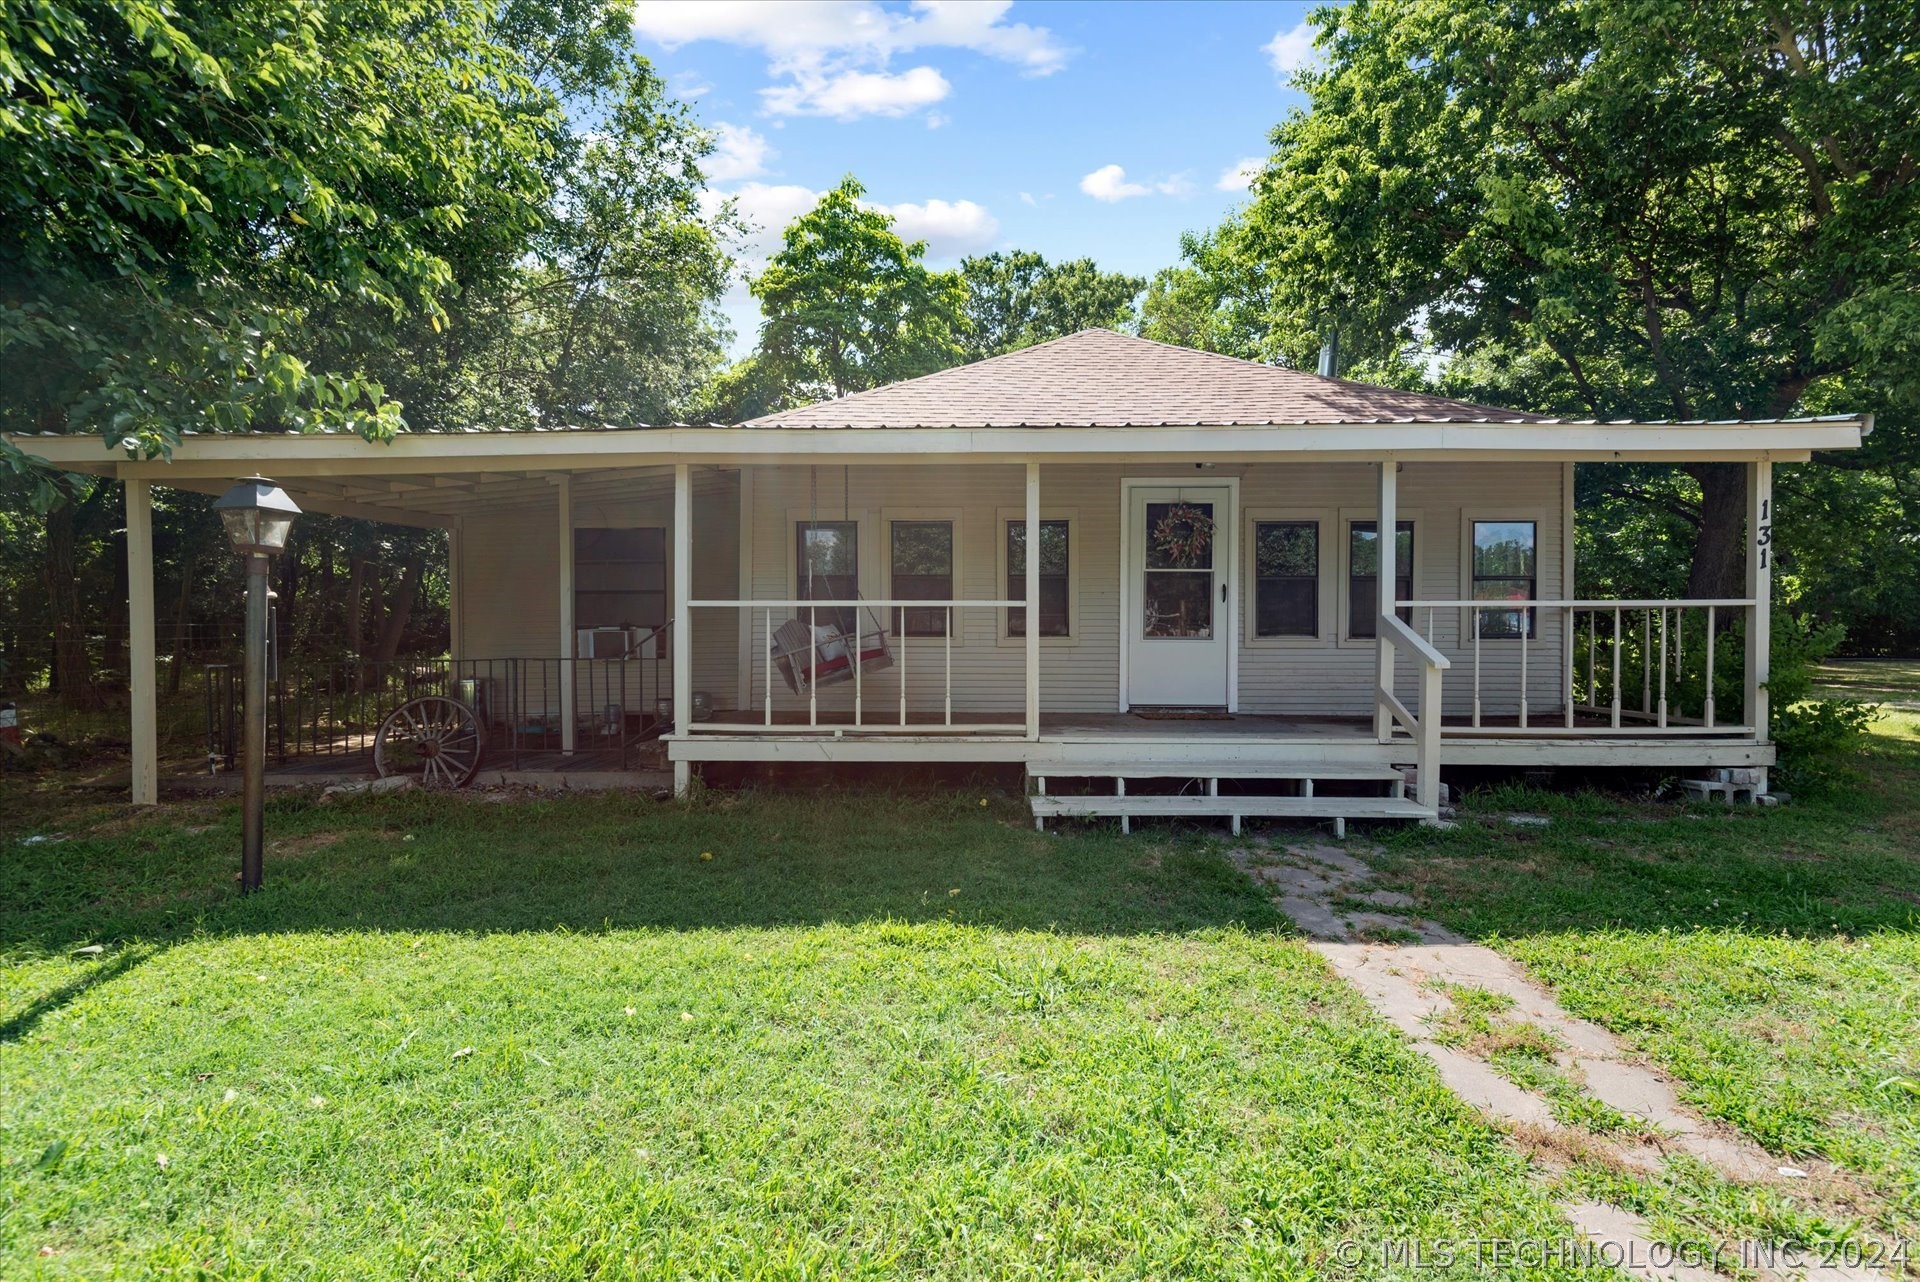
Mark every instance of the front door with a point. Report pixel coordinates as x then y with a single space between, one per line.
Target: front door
1179 594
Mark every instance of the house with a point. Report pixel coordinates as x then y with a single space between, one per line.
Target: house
1154 576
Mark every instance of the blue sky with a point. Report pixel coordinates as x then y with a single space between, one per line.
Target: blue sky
1098 129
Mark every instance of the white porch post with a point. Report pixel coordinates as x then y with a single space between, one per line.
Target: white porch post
1386 539
1760 588
142 679
563 487
682 618
1033 601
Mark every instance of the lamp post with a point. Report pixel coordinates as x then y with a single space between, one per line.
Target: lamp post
258 516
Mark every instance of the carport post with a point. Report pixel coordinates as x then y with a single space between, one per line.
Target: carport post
142 679
682 621
563 487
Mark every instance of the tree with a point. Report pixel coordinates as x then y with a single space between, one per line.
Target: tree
606 310
1018 299
1674 209
850 306
181 188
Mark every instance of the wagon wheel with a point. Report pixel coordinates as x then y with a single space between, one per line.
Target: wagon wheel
435 739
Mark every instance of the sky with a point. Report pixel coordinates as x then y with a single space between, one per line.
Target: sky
1099 130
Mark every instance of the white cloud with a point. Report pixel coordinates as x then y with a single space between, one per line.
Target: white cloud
831 57
1240 174
859 29
738 153
1026 198
850 95
1109 183
1291 49
951 229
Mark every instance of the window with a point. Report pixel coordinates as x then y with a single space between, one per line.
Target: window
1056 601
922 553
619 578
1504 564
1363 574
1286 578
828 568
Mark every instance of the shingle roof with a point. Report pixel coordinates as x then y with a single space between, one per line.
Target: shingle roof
1097 378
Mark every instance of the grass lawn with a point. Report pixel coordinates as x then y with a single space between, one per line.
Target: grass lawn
871 1036
1769 959
1875 680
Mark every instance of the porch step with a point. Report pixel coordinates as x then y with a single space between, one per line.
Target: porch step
1338 809
1283 770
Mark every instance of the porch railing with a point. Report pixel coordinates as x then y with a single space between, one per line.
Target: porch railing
1390 711
881 701
1648 667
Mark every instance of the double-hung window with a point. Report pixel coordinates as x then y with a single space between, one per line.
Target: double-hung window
1505 568
827 568
1056 600
1286 578
1363 575
922 570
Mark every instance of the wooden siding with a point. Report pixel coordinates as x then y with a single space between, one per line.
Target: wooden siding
507 593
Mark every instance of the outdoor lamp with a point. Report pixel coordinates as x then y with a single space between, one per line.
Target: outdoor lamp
259 517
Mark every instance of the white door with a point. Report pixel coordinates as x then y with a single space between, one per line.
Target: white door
1179 594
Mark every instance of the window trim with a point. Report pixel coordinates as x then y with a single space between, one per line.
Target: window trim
1542 589
884 537
1326 596
1344 568
1075 535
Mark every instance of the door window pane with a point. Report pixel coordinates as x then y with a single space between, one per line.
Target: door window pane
1178 605
922 554
1180 536
1504 569
827 555
1286 586
1363 575
1055 598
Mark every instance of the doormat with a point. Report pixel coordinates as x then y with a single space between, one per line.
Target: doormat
1182 714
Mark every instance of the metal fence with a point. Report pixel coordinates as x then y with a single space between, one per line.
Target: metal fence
335 710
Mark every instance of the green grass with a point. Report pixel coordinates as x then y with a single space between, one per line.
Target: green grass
1768 959
1875 680
871 1037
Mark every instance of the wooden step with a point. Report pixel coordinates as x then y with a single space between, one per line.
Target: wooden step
1137 807
1096 769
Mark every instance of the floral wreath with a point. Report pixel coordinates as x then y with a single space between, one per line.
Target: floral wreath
1184 536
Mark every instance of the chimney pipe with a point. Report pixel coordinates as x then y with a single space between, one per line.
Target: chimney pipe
1330 353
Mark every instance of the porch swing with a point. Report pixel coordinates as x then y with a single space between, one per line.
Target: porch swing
820 655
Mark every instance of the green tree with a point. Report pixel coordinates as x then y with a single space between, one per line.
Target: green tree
1676 208
605 311
1018 299
849 305
180 189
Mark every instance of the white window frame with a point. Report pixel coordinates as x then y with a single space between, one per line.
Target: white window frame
1009 591
1326 600
1507 513
884 536
865 540
1343 559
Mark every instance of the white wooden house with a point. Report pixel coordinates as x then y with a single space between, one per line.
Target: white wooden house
1208 593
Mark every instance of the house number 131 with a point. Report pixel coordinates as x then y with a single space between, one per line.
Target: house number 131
1763 533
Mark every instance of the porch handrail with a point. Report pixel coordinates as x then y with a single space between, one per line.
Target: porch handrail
1654 626
881 603
1394 634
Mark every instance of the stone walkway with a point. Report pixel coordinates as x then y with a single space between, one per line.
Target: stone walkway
1406 968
